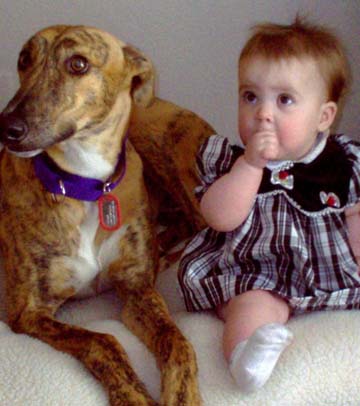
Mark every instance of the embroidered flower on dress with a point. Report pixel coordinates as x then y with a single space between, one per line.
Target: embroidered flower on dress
282 177
330 199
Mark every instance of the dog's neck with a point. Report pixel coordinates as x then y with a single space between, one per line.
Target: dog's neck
94 153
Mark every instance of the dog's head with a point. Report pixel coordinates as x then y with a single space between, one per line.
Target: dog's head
74 81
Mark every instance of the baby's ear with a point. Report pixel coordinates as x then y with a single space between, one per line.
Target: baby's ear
327 115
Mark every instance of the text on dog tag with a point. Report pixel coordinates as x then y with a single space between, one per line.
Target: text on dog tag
109 212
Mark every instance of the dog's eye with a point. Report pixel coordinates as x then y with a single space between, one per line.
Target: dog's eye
24 60
77 65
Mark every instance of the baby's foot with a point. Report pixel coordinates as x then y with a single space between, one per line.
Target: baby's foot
252 361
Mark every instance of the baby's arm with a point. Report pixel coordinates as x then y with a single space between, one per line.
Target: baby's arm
353 223
228 201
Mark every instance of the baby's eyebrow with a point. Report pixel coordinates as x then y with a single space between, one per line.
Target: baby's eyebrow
276 89
246 86
285 89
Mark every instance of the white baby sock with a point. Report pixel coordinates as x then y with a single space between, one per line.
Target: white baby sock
253 360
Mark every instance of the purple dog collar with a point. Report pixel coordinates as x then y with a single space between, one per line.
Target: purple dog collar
59 182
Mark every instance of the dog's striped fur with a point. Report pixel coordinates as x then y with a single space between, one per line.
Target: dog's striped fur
78 87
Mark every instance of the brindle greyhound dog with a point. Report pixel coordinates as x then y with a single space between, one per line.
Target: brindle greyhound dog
75 212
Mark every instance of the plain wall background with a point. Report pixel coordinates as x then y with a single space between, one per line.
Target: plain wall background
194 44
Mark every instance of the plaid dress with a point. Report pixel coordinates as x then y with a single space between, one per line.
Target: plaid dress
294 241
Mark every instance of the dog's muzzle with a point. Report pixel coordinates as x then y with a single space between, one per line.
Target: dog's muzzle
13 129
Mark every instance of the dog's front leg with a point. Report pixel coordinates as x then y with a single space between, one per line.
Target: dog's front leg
146 314
101 354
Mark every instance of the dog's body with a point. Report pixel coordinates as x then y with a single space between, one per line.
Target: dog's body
173 137
77 89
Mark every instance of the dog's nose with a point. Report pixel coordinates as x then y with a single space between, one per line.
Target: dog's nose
12 128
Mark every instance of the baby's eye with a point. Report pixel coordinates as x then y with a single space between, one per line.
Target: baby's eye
285 100
249 97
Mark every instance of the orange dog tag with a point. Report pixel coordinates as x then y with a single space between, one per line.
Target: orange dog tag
109 212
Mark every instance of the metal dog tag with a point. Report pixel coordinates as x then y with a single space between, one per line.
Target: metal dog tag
109 212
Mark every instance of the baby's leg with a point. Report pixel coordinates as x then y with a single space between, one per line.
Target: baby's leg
254 336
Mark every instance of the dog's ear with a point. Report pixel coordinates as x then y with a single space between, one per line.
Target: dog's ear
143 76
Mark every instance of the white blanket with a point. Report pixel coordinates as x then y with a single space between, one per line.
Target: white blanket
321 367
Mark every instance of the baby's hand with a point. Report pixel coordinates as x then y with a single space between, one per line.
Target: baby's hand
261 148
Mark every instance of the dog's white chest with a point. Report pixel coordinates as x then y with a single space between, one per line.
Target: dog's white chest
91 264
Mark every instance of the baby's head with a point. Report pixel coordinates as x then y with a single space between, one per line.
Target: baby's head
301 40
291 79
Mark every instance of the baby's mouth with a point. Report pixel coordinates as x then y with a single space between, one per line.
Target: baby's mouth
265 129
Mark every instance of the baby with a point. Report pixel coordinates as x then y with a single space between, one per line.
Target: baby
277 242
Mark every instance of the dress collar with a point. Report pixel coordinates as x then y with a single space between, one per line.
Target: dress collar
317 186
315 151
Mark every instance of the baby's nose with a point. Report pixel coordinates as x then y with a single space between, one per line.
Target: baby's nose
264 112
